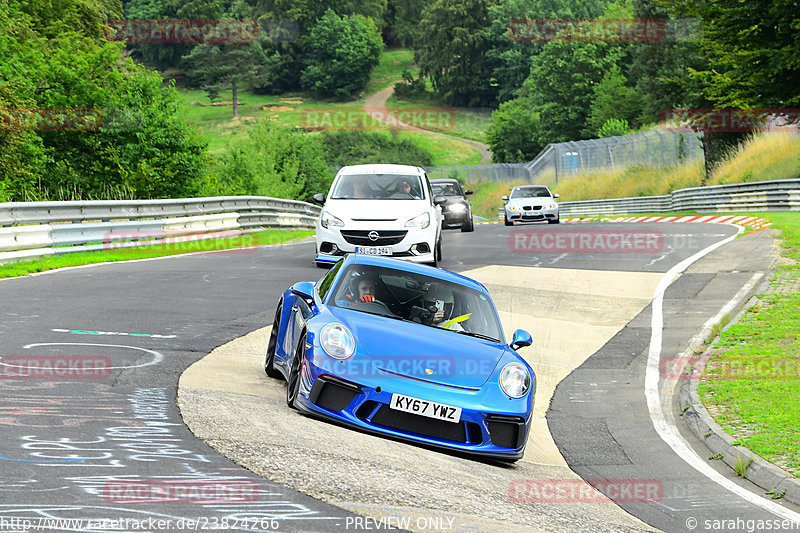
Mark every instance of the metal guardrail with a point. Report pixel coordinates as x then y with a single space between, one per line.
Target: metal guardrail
778 195
35 229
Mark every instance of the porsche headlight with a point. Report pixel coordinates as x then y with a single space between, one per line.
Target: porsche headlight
326 219
515 380
422 221
337 341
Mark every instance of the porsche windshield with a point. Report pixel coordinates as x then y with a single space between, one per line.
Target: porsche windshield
378 187
417 298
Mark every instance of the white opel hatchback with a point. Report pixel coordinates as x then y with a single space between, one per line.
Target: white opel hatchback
380 210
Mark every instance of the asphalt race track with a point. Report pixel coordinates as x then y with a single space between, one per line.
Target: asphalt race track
79 447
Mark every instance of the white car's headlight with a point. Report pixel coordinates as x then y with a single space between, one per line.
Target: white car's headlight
515 380
422 221
457 207
513 208
326 219
550 206
337 341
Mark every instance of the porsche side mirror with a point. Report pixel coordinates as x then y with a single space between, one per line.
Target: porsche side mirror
305 290
521 339
319 198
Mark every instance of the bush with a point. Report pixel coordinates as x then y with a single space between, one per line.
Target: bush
613 127
272 161
342 53
513 134
343 148
410 87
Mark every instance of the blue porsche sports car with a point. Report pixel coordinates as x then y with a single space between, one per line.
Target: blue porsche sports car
407 351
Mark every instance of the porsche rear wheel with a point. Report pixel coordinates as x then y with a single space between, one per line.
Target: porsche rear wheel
293 385
269 363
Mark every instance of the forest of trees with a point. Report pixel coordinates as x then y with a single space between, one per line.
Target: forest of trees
56 55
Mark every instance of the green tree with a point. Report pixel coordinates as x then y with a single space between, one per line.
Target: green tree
229 66
402 25
613 99
660 71
451 50
513 132
141 147
508 51
752 51
562 84
342 53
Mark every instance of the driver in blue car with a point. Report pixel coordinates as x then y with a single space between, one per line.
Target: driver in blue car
365 289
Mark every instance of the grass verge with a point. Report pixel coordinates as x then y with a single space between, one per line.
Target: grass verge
751 383
235 244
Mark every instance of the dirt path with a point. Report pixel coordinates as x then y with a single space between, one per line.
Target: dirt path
375 105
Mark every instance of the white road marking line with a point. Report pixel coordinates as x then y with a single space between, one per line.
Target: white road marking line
669 433
157 357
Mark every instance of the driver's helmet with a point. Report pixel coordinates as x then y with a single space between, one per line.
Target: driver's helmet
356 278
444 294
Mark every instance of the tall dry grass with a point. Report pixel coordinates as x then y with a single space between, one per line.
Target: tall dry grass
762 157
632 181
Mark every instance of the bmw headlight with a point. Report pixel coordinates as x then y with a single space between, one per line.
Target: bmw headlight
459 208
422 221
515 380
337 341
326 219
513 208
550 206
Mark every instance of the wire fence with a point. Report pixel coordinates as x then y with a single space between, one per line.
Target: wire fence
559 161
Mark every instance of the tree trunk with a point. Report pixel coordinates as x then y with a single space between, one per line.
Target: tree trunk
235 99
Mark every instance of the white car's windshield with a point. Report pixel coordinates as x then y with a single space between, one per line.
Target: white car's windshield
417 298
378 187
530 192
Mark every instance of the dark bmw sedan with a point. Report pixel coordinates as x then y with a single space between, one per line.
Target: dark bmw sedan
457 212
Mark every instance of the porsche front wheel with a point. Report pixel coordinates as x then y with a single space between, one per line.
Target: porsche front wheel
293 385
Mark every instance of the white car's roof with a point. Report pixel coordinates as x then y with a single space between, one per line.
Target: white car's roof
380 169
